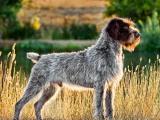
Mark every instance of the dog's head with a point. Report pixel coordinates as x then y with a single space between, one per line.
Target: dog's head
124 31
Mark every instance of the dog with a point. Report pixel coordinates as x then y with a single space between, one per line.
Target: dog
99 67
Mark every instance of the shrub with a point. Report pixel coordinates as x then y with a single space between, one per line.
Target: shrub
33 45
57 34
21 32
61 33
8 20
135 9
150 33
75 31
9 25
83 31
43 47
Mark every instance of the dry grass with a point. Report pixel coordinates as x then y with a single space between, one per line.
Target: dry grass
63 3
56 12
137 98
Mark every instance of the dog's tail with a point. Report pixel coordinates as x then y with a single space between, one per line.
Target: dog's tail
33 56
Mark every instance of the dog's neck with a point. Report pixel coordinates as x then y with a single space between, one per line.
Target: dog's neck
105 42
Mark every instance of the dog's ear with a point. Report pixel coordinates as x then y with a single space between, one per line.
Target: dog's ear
113 28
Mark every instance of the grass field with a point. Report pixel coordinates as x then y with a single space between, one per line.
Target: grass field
58 12
137 98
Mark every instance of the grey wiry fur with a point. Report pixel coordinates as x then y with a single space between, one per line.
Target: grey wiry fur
99 67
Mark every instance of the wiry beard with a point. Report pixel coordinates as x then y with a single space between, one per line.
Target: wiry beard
130 46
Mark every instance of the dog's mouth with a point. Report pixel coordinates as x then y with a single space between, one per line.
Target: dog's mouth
130 46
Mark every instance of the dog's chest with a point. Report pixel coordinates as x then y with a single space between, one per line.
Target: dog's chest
114 68
119 67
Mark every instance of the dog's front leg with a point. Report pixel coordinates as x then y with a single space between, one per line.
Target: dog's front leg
98 95
109 103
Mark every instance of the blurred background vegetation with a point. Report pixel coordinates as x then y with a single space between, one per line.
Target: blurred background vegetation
134 9
62 26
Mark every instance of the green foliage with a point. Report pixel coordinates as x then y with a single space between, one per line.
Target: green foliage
83 31
8 20
57 33
150 33
9 25
135 9
9 2
75 31
61 33
33 45
19 32
43 47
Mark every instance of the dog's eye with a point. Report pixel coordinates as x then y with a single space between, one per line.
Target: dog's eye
124 29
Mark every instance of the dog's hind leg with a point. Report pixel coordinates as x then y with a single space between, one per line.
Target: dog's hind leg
46 95
32 90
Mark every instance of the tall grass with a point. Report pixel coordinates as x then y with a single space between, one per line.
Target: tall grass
137 98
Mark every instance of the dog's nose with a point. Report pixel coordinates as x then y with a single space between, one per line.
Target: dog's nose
137 34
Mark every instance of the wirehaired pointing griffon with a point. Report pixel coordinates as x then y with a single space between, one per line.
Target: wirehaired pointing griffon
99 67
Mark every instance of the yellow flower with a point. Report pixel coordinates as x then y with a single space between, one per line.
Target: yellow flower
35 23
